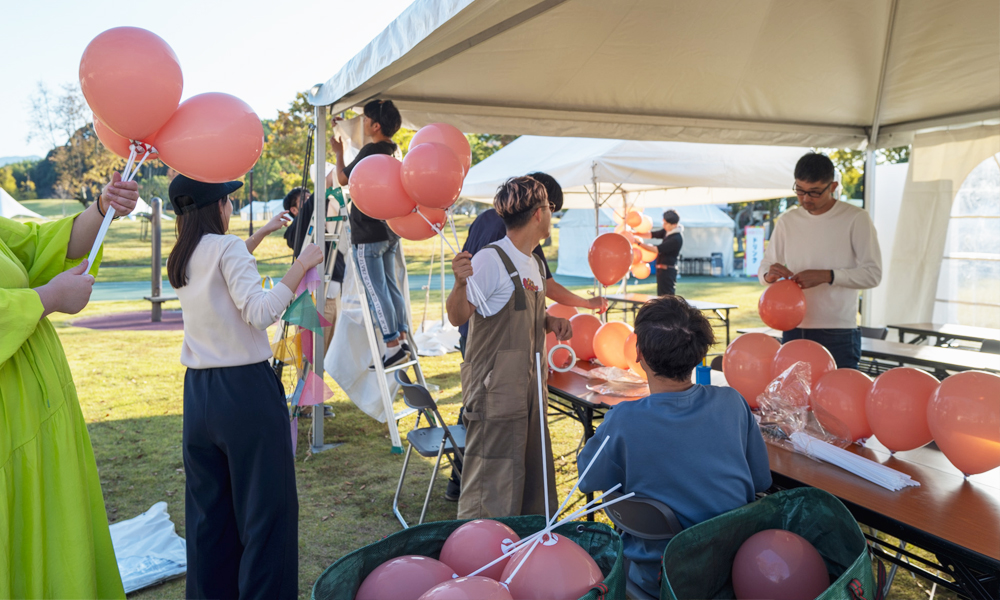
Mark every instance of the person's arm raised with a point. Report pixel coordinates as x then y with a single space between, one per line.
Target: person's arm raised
458 306
557 293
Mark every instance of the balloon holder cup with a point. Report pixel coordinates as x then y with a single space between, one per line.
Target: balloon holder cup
569 364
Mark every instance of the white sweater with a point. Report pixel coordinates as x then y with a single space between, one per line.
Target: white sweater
226 311
842 239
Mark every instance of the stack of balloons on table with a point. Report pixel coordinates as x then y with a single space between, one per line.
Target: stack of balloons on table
612 343
904 408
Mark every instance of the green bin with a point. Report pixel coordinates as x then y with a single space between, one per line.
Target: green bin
698 562
341 580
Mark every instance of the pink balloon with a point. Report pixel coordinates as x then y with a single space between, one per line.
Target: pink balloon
468 588
432 175
377 190
747 364
562 311
841 394
414 227
585 327
449 135
476 544
404 578
897 408
116 143
964 416
610 257
782 305
212 137
557 569
132 81
609 344
819 358
780 565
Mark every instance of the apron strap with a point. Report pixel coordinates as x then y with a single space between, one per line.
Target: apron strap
520 302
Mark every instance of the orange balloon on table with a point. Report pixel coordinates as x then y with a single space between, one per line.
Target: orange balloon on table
132 81
632 356
561 357
449 135
585 327
414 227
562 311
432 175
609 344
377 190
819 358
897 408
964 417
211 137
782 305
647 255
468 588
557 569
476 544
641 270
634 218
747 364
610 257
646 226
842 394
778 564
636 256
404 578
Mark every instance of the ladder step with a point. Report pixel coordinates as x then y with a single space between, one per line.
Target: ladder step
401 366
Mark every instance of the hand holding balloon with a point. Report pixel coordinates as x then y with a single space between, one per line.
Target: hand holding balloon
560 327
776 272
813 277
461 266
121 196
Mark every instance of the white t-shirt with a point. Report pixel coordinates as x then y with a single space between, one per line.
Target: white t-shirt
492 279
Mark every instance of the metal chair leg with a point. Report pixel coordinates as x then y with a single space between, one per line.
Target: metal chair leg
399 487
430 486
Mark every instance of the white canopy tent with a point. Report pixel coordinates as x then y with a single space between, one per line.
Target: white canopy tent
263 210
10 208
143 209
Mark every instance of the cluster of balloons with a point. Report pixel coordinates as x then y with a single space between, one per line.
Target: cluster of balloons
132 81
753 360
413 196
558 568
612 343
635 222
779 564
782 305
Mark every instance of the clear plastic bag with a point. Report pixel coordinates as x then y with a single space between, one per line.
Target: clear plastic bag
613 381
785 409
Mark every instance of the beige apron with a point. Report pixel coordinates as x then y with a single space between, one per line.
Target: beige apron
503 470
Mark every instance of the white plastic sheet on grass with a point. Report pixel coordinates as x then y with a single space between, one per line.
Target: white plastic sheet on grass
148 549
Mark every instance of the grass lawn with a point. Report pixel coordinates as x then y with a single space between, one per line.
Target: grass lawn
130 386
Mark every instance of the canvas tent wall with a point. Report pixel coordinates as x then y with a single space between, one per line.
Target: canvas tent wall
10 208
263 210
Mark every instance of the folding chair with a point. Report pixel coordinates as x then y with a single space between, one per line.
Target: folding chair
643 518
428 441
872 366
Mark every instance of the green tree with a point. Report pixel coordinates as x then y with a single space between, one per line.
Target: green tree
851 164
7 182
486 144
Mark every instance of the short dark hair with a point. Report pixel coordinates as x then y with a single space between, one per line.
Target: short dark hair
292 197
814 168
671 217
673 337
552 188
517 199
191 226
385 113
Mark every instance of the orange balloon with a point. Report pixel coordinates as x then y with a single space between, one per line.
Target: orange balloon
634 218
414 227
562 311
449 135
609 344
632 356
636 253
610 257
468 588
585 327
964 417
646 226
641 271
782 305
212 137
116 143
819 358
561 357
779 564
404 578
628 236
377 190
557 569
432 175
841 394
137 96
476 544
897 408
647 255
621 227
747 364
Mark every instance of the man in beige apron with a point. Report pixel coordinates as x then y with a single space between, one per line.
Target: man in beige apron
504 465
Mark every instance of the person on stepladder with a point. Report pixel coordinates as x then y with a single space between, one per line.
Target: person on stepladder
504 472
242 534
375 244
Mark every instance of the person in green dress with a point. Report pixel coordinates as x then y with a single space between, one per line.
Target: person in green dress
54 539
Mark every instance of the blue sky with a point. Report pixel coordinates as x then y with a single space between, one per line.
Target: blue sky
262 51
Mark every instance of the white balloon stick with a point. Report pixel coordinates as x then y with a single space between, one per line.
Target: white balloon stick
103 231
582 475
541 430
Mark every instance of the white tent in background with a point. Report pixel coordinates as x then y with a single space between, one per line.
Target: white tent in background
263 210
143 209
11 208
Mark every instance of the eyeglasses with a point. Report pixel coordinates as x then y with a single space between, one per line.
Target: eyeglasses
800 192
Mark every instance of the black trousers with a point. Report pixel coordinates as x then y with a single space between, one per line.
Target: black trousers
666 281
241 504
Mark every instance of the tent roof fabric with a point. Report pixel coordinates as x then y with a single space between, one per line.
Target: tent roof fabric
657 174
10 208
777 72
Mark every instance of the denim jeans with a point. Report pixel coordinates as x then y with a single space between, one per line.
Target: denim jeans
377 270
843 344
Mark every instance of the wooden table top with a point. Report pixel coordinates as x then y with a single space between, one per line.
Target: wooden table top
644 298
575 384
958 332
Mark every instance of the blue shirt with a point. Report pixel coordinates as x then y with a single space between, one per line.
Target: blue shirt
699 451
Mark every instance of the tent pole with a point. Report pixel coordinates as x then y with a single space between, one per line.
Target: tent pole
443 298
319 238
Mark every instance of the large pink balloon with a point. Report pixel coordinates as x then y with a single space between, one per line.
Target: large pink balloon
842 394
780 565
747 364
964 416
476 544
585 327
782 305
557 569
377 190
897 408
610 257
404 578
468 588
116 143
819 358
132 81
212 137
562 311
449 135
414 227
432 175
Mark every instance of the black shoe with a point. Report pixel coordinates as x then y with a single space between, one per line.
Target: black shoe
392 360
451 496
406 348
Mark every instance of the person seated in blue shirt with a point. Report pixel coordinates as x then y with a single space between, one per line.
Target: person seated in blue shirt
695 448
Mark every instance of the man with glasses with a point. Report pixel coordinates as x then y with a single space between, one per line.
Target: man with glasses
831 250
504 471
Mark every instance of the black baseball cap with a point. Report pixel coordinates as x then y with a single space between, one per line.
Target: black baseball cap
188 195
